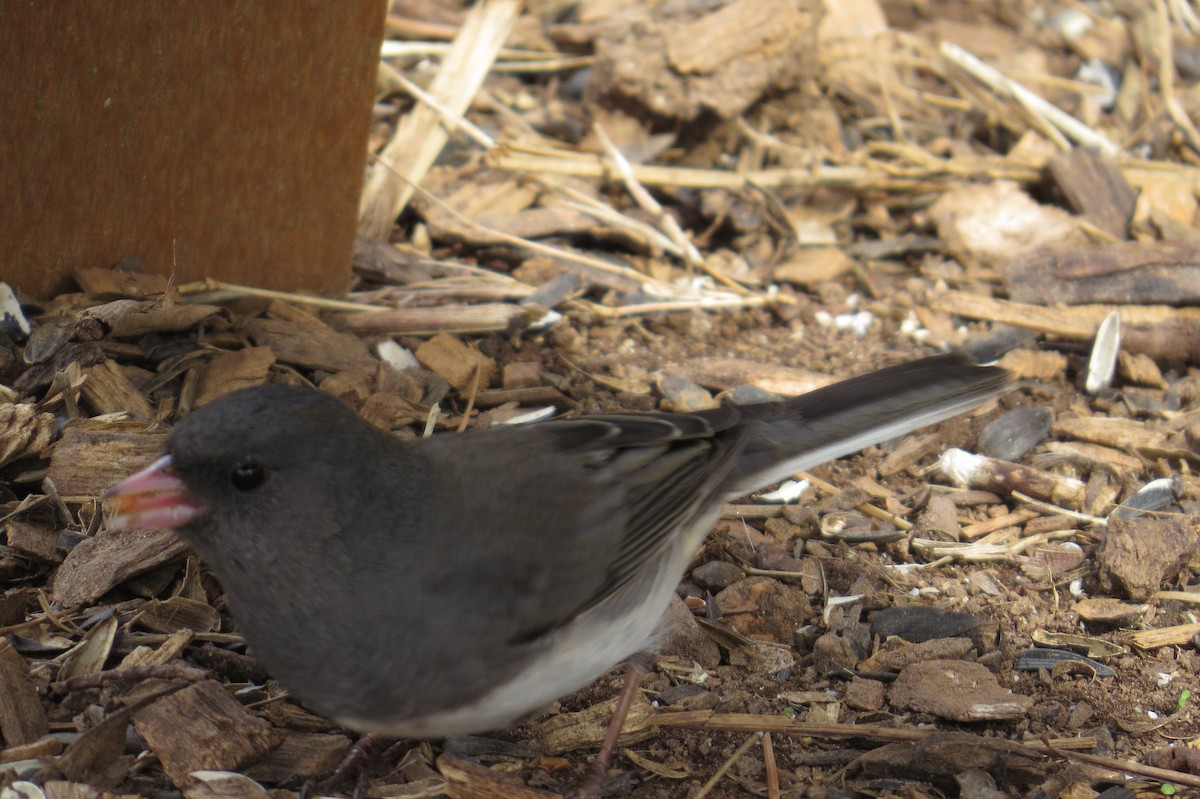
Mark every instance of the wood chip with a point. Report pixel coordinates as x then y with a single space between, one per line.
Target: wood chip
86 461
311 346
1132 273
1034 364
35 540
1136 367
202 727
303 754
128 318
537 395
107 559
1095 188
22 718
725 374
521 374
814 265
116 283
108 390
231 371
467 780
24 431
222 785
179 613
167 651
1126 434
456 362
567 732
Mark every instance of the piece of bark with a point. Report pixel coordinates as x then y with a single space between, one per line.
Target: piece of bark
1136 367
942 758
1141 554
389 411
91 653
679 64
222 785
289 312
585 728
484 317
127 318
96 756
968 470
167 651
521 374
456 362
36 540
1126 434
537 395
108 558
726 374
1163 333
1095 188
179 613
109 390
956 690
1034 364
384 262
107 283
812 266
467 780
352 386
22 718
1166 209
231 371
896 653
202 727
304 754
24 431
1130 273
86 461
311 346
912 449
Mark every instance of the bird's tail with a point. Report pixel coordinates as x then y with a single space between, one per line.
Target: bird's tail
837 420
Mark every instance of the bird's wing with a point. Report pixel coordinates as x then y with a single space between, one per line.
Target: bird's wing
592 502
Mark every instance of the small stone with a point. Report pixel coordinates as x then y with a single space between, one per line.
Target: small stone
716 575
864 694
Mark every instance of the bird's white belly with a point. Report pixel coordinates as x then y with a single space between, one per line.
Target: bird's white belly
578 654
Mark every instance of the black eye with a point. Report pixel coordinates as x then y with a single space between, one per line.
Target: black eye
247 476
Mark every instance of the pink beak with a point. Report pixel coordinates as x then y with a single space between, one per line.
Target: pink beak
153 498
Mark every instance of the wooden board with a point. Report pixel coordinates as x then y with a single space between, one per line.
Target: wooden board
223 139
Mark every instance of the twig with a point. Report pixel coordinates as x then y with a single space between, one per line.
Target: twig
1071 127
165 671
209 285
870 510
514 61
420 136
771 768
1166 78
707 787
1056 510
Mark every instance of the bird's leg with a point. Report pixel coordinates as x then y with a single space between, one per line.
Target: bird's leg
364 750
598 773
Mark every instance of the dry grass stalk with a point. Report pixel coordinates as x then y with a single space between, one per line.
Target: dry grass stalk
421 135
1058 125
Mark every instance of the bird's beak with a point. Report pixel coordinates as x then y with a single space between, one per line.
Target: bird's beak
153 498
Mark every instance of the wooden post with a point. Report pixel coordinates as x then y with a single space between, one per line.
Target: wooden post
212 138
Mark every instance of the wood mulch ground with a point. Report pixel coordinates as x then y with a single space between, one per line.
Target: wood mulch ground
654 205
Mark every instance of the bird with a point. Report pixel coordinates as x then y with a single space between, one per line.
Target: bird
455 584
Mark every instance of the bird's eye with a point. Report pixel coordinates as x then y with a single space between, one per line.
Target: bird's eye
247 476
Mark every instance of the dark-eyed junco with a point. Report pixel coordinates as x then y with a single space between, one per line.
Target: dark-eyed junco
454 584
